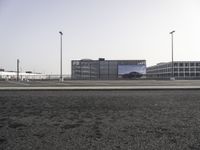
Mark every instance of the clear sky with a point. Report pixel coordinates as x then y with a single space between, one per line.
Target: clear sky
114 29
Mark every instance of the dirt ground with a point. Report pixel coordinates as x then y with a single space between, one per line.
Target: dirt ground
98 120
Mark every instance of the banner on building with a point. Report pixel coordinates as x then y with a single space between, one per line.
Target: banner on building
131 71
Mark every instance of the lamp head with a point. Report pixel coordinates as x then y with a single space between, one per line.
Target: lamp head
60 33
172 32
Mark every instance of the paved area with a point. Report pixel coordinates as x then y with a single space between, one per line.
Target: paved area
90 83
73 120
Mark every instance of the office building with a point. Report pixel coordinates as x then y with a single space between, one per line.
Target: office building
87 69
182 70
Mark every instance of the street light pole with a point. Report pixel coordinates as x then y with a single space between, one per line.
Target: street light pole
61 78
172 40
17 69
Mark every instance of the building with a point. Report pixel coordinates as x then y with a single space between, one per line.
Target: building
87 69
12 75
182 70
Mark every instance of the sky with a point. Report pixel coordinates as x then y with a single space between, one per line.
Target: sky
110 29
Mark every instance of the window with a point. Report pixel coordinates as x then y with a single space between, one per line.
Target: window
186 69
176 74
191 69
192 74
180 69
197 64
198 69
175 64
181 74
187 74
198 74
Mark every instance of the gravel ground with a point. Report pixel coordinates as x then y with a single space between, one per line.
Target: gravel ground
97 120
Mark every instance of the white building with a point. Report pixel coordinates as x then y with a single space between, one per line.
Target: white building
181 70
12 75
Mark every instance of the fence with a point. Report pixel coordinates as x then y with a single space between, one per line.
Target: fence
68 77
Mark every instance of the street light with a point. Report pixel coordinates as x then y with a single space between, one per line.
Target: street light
61 78
17 69
172 39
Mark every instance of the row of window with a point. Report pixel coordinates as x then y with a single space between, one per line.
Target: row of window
177 75
175 69
187 64
115 63
191 64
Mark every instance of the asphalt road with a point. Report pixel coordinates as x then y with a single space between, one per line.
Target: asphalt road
49 120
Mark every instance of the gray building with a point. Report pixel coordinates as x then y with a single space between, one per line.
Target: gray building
182 70
87 69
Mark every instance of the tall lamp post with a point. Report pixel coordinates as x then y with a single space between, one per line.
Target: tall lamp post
61 77
17 69
172 39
